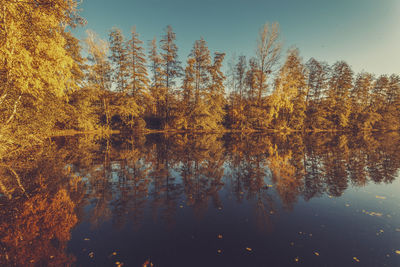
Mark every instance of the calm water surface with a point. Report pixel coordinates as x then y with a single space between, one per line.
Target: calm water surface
204 200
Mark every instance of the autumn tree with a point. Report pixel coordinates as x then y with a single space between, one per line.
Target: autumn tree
317 86
35 66
99 74
119 58
139 81
338 95
267 54
200 80
184 120
288 99
215 96
239 95
385 101
171 69
156 81
362 114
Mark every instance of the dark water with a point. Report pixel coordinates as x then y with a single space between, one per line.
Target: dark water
204 200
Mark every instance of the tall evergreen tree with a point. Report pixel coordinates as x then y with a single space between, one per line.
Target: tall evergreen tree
156 87
362 114
202 62
196 83
317 83
240 75
120 60
171 68
338 95
215 97
139 80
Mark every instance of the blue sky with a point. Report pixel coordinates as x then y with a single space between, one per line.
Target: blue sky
365 33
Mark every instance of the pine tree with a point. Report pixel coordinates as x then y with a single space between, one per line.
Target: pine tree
119 58
362 114
156 88
240 76
139 81
171 69
215 97
202 62
185 117
237 117
338 95
196 83
317 84
392 115
385 101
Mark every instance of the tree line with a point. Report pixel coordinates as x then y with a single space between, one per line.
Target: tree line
49 84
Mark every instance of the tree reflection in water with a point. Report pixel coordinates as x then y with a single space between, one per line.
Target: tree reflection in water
44 191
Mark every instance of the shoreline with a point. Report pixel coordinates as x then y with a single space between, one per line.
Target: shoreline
71 132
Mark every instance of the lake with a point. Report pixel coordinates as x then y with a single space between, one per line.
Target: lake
203 200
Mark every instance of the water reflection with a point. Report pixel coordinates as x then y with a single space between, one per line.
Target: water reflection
74 181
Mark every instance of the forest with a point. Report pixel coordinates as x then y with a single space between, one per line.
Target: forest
52 83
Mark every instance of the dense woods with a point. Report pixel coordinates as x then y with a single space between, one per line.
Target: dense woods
51 81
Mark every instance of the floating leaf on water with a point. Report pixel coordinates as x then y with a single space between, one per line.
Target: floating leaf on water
372 213
355 258
147 263
249 249
380 197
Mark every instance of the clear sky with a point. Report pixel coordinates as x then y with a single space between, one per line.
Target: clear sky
365 33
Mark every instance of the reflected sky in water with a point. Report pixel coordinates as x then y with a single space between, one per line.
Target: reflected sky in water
204 200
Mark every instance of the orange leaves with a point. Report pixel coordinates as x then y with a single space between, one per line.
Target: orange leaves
147 263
